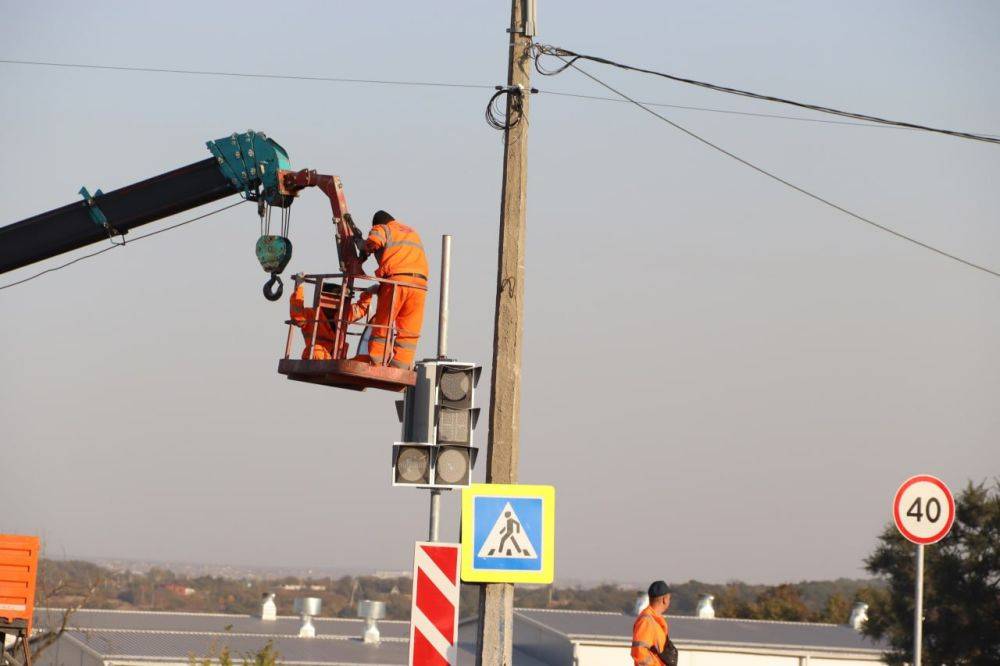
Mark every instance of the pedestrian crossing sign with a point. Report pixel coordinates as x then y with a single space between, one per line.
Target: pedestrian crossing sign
508 533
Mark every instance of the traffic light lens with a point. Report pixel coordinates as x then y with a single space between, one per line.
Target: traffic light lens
413 464
452 466
455 385
453 426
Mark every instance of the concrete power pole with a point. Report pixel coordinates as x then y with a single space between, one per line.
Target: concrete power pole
496 600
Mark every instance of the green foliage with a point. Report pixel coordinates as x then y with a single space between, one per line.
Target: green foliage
266 656
961 587
160 589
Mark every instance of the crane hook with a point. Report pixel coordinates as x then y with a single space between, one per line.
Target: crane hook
273 288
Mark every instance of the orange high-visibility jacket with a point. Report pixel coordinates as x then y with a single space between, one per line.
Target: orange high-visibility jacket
649 636
398 249
305 318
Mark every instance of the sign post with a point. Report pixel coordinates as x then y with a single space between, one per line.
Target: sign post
924 511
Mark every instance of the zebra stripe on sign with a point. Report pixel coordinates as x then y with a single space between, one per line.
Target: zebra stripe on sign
434 615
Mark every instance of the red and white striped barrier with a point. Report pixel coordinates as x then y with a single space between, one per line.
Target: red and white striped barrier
434 616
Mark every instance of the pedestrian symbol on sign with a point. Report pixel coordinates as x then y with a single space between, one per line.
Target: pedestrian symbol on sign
507 538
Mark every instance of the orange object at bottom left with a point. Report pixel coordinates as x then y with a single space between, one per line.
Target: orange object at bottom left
18 575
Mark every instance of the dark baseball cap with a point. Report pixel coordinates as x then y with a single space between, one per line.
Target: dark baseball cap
658 589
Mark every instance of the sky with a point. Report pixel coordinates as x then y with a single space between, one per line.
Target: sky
722 378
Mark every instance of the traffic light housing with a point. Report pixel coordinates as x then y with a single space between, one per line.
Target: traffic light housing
456 413
438 416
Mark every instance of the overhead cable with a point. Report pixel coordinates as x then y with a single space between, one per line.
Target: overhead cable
438 84
783 181
115 245
247 75
568 58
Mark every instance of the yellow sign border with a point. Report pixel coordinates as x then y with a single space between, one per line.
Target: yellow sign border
548 496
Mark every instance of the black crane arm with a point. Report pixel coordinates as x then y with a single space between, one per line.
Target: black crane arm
247 163
72 226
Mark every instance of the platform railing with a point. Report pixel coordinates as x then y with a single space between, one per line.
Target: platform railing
341 324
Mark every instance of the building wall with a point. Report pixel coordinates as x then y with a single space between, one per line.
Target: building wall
619 655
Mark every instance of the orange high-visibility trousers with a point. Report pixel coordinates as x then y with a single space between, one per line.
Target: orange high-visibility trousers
305 318
407 309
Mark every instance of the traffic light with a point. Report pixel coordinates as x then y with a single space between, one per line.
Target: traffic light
438 416
456 413
411 464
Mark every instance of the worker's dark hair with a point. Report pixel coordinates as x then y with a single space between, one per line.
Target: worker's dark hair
382 217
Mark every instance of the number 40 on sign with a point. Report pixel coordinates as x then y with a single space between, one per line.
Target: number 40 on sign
923 509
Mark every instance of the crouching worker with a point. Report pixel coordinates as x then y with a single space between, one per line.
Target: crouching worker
306 319
401 258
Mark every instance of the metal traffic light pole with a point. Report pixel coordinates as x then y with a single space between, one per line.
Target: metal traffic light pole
442 353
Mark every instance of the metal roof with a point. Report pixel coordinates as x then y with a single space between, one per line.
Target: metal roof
218 623
687 630
165 636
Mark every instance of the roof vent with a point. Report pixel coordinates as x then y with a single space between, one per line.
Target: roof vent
859 615
371 611
641 601
307 607
268 609
705 609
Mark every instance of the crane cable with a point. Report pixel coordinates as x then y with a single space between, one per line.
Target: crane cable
114 245
765 172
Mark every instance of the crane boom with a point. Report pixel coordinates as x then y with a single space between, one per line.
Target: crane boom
245 163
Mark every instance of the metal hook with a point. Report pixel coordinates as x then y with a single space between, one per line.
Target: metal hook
273 288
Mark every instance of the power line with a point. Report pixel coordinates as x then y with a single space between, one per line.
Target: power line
115 245
246 75
435 84
562 54
778 116
781 180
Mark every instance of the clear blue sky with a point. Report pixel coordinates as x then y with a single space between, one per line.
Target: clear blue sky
722 378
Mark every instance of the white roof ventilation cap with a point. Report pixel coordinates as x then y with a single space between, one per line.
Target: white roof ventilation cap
705 609
268 609
859 615
371 611
307 607
641 601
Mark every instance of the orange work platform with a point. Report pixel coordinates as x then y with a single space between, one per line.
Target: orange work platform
326 325
355 375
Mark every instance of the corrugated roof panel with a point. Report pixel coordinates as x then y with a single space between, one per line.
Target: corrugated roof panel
683 629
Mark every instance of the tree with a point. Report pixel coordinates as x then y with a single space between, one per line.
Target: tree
782 602
961 587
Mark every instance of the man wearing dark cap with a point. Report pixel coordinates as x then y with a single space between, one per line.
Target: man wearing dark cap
400 254
651 644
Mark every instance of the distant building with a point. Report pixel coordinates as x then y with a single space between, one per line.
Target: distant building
541 637
179 590
585 638
146 638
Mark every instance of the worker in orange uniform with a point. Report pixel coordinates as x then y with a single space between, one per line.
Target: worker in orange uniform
651 644
401 258
305 318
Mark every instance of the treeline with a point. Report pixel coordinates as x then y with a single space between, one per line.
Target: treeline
74 583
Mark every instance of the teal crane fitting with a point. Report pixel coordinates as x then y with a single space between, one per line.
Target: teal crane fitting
251 161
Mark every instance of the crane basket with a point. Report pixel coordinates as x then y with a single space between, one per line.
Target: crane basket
327 325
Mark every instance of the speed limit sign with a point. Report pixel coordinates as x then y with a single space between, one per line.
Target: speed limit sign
923 509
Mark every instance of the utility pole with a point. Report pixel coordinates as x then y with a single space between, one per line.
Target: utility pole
494 645
435 519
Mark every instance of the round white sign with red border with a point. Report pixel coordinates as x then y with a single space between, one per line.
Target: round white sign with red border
923 509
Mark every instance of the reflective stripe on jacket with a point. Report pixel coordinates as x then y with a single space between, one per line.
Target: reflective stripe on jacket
398 249
649 636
